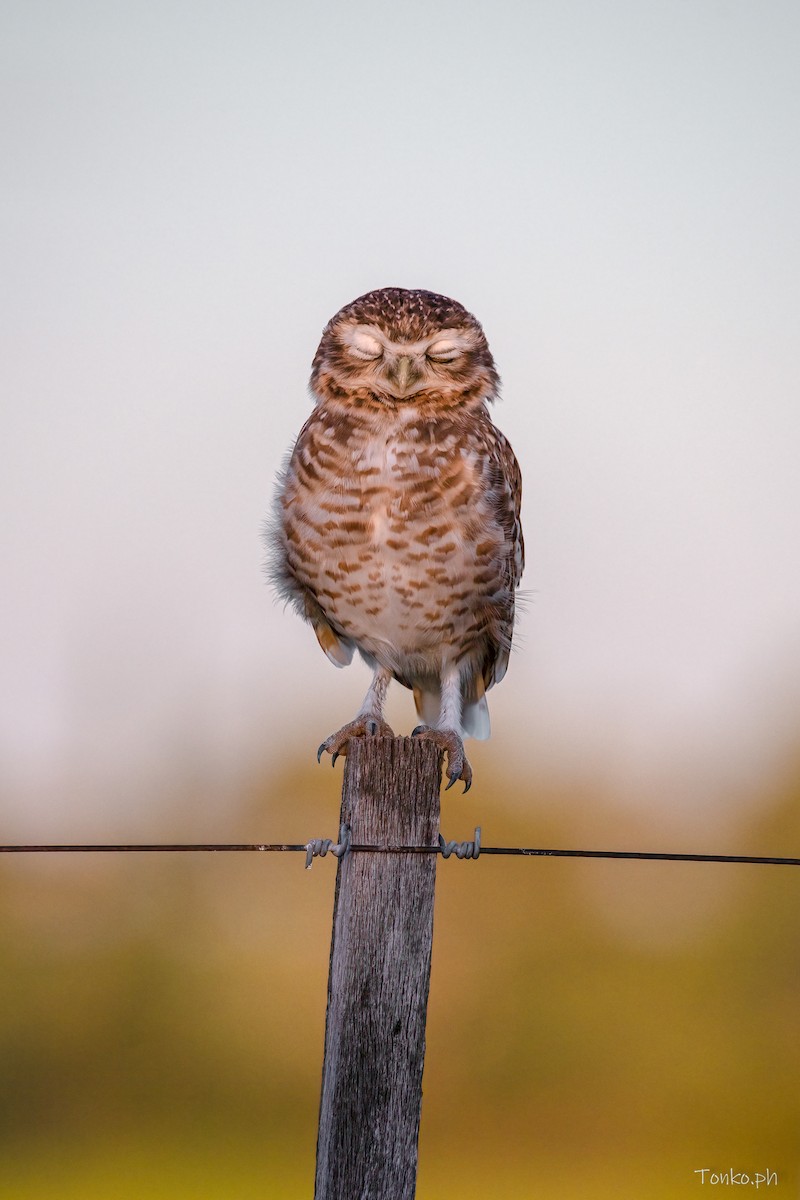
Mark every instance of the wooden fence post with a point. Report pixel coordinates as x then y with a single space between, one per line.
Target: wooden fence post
379 974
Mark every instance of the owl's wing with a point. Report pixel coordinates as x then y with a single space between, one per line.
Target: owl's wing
284 542
338 649
505 491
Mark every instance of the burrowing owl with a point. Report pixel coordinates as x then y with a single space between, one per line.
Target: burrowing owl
397 526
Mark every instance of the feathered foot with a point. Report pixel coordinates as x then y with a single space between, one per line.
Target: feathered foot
367 726
457 763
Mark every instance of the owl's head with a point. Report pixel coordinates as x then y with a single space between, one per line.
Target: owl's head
396 347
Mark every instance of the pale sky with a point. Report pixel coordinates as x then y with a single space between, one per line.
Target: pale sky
191 191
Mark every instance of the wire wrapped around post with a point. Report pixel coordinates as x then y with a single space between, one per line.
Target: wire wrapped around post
319 847
462 849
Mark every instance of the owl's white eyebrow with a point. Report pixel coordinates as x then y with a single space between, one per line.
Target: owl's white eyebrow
456 339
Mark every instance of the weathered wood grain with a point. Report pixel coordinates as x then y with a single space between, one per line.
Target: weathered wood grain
379 975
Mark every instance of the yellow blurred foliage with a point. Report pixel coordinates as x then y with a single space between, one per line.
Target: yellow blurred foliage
595 1028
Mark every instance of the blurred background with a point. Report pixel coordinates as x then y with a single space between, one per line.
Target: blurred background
191 191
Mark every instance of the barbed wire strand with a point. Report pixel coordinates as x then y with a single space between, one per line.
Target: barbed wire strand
287 847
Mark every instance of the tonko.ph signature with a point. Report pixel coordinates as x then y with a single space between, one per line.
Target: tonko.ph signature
737 1178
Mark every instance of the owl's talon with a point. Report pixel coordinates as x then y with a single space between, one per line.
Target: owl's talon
336 744
457 763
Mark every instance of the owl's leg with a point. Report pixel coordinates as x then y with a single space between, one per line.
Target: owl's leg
448 734
368 723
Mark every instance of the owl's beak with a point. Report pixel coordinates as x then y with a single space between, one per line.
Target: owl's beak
403 374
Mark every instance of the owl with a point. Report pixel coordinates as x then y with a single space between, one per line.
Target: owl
396 529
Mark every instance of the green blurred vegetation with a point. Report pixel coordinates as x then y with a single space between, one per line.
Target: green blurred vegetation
595 1028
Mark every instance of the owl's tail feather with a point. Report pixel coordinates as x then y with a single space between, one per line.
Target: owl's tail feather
428 701
474 714
475 711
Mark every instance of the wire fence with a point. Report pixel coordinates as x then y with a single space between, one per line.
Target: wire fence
321 846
